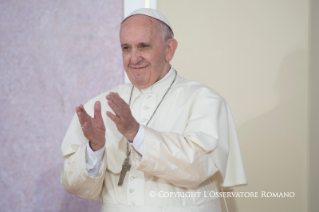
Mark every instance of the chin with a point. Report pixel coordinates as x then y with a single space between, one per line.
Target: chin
140 82
140 85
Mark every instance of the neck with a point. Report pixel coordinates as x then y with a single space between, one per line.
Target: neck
166 70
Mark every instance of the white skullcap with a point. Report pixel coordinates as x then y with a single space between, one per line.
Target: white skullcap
151 13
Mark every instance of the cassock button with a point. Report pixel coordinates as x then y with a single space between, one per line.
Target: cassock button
147 97
145 107
132 178
131 190
132 203
143 120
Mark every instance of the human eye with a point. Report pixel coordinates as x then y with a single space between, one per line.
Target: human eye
125 48
144 46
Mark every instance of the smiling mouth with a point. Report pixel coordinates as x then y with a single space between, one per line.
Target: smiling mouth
138 68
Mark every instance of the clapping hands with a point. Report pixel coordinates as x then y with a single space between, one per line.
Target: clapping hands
93 127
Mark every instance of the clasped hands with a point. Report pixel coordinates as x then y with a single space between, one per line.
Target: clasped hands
94 128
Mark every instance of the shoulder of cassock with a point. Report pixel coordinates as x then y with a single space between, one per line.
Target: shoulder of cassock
215 133
217 136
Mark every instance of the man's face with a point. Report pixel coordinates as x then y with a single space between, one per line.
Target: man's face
144 51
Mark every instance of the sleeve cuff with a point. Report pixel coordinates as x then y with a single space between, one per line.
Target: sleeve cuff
138 140
93 157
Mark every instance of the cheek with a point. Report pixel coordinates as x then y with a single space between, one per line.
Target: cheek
158 62
152 58
126 59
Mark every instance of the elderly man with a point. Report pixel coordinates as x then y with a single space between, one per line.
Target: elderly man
162 143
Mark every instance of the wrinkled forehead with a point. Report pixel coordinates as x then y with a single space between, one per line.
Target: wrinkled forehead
139 19
138 29
139 22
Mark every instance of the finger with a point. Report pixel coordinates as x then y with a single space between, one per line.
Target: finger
109 96
113 117
97 110
115 108
83 110
86 130
118 100
124 110
124 107
86 116
80 115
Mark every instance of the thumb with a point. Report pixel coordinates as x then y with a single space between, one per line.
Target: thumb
97 110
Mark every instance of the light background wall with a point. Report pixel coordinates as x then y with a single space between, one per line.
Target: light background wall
313 156
54 55
255 54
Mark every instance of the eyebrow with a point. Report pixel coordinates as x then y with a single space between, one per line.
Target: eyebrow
144 43
125 44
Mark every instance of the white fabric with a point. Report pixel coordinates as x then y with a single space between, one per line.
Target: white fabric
151 13
190 143
94 159
139 140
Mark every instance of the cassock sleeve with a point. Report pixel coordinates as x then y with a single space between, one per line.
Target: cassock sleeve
74 178
208 145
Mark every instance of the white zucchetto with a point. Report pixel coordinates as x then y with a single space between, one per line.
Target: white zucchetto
151 13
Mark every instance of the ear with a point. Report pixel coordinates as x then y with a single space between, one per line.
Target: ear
171 46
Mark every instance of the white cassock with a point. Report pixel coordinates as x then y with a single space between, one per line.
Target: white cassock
190 148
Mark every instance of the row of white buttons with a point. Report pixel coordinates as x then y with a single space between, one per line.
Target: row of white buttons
143 120
131 191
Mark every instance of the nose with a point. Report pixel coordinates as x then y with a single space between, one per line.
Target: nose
136 56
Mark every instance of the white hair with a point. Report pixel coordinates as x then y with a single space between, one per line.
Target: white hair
165 31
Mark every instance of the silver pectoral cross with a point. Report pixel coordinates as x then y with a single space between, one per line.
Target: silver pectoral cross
125 168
